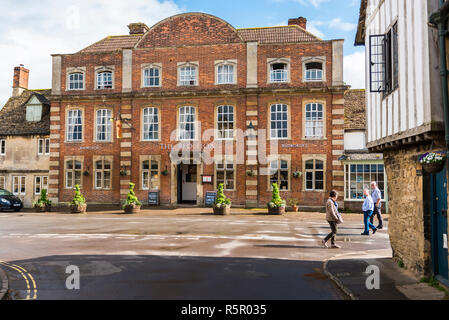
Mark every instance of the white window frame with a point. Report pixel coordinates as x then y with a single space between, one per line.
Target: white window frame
146 68
72 71
73 173
225 165
286 74
231 77
186 80
225 134
2 147
21 185
147 183
42 184
2 182
314 173
366 183
148 113
314 123
101 172
308 60
70 126
43 147
281 121
103 125
182 123
105 80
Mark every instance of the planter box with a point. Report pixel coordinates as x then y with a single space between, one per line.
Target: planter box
43 209
225 211
132 209
276 211
77 209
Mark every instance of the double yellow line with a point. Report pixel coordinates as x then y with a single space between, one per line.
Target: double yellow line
29 280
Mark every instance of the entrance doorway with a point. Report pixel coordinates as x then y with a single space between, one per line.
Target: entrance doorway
438 206
187 183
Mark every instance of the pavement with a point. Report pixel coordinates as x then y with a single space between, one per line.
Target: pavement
186 254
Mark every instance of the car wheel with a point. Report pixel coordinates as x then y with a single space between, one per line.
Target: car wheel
17 210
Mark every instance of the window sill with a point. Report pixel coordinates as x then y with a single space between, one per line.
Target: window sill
315 139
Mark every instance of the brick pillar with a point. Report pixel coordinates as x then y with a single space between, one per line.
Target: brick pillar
56 171
251 153
126 150
338 132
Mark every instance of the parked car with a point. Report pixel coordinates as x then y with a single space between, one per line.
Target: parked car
8 201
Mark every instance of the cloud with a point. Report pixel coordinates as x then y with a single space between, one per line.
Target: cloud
337 23
29 35
354 70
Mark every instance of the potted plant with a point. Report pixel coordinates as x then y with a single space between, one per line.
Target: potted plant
132 204
123 173
222 205
165 173
294 204
78 204
86 173
250 173
42 204
297 174
277 205
433 162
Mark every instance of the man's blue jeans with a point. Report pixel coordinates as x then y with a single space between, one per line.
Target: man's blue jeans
368 224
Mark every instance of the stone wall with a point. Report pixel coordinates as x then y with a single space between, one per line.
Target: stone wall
409 224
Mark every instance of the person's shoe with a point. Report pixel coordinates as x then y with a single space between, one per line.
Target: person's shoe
325 244
336 246
374 231
365 234
380 227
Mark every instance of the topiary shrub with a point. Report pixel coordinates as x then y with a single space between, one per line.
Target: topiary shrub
132 201
78 204
222 201
276 200
43 203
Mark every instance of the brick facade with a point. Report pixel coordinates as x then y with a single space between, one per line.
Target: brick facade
203 40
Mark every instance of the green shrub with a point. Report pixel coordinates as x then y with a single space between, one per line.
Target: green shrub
276 201
79 198
131 200
222 200
43 200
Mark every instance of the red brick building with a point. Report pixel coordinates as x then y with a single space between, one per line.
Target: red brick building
188 74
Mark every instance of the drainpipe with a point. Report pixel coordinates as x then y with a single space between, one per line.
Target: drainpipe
443 70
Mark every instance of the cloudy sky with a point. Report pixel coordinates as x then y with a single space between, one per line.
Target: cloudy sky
30 31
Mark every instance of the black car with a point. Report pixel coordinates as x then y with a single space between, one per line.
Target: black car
8 201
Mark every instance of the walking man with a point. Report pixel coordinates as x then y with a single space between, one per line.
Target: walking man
368 209
332 217
377 198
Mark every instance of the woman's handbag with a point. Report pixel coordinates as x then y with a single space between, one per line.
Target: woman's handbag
340 218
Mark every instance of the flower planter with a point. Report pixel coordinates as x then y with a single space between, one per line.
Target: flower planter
295 209
276 211
222 211
77 209
43 208
132 209
433 167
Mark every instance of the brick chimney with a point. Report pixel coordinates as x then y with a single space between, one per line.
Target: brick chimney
20 81
138 28
301 21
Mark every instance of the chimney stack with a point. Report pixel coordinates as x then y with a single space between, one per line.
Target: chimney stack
301 21
20 81
138 28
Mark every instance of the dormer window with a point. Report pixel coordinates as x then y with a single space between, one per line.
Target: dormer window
76 81
104 80
188 74
314 71
34 110
279 70
105 77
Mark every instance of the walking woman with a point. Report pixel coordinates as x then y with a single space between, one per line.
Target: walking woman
333 217
368 211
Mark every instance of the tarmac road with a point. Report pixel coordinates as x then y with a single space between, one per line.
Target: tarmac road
174 256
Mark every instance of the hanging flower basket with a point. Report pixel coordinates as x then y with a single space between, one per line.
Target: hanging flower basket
433 162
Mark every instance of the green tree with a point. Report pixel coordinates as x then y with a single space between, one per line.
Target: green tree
276 200
78 199
132 199
222 200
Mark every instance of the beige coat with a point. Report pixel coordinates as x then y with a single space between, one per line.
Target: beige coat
331 211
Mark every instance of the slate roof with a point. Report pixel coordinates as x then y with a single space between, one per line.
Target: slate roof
13 115
288 34
355 110
113 43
